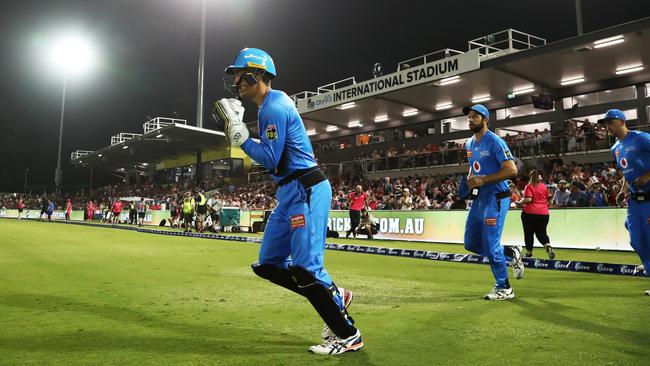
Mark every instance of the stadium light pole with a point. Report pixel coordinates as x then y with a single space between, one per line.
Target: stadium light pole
72 55
58 174
579 17
199 102
25 185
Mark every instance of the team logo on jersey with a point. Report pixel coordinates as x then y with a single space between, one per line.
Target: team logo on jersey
297 221
476 166
617 153
508 154
469 154
623 162
271 132
490 221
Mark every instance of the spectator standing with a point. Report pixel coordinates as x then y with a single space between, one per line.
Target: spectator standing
117 210
141 211
68 209
188 212
133 213
214 205
44 205
21 206
358 200
90 208
535 215
201 209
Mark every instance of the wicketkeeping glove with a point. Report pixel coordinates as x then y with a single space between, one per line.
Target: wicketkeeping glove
230 112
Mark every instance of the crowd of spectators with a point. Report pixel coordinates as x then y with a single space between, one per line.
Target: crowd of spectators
577 136
161 196
570 185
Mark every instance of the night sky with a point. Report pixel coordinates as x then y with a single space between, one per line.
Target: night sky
149 56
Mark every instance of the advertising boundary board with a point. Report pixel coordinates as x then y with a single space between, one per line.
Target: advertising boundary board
579 228
534 263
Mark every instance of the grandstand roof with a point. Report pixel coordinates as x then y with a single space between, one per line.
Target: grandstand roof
164 138
495 65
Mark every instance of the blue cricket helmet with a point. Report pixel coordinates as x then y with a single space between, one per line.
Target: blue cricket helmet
253 58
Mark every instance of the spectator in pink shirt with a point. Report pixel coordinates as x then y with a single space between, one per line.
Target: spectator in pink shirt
535 214
68 210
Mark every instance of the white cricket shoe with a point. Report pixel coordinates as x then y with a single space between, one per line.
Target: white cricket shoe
338 346
327 335
638 269
518 263
498 294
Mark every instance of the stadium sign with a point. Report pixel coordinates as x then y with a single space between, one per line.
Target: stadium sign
421 74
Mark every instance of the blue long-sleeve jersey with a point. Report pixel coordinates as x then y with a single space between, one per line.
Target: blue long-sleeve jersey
281 132
633 157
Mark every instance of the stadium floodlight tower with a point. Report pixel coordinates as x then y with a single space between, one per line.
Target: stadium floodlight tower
199 102
71 55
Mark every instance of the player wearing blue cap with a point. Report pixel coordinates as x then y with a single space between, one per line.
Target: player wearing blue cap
491 165
632 154
293 245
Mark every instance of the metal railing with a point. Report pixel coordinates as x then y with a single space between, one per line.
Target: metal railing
528 148
302 95
429 57
441 158
336 85
122 137
160 122
324 89
76 155
504 42
521 148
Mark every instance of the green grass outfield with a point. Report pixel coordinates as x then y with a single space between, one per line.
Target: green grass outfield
74 295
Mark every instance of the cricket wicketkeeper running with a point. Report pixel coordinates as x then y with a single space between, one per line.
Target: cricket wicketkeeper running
293 246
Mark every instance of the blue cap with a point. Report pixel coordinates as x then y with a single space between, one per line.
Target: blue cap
253 58
478 108
612 114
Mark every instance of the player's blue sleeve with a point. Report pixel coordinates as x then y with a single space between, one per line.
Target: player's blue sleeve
273 122
501 150
644 141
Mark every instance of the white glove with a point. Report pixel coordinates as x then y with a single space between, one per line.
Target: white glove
231 111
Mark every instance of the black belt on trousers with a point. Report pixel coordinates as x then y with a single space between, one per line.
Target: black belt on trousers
473 193
307 177
640 196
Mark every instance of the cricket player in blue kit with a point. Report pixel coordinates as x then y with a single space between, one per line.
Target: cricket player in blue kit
491 164
293 245
632 154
